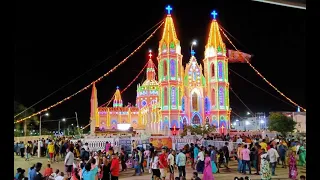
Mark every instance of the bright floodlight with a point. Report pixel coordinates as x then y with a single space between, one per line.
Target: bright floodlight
237 120
248 113
262 121
123 127
64 119
247 122
71 124
194 42
47 114
150 50
234 123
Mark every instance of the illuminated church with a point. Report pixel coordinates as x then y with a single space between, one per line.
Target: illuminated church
174 96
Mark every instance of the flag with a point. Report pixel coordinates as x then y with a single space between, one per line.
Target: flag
238 56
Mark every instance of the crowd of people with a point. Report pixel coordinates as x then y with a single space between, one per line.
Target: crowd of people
262 155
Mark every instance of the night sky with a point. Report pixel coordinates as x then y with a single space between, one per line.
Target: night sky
57 42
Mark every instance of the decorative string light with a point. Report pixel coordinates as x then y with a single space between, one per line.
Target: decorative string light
107 103
268 82
99 79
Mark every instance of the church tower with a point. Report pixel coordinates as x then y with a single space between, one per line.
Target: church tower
169 76
117 102
216 74
94 117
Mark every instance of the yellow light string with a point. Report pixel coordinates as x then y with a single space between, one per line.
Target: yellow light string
125 87
262 75
99 79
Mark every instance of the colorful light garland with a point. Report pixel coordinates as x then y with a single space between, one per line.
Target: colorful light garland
268 82
99 79
107 103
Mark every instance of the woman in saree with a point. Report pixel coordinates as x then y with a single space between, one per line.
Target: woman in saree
302 156
293 171
207 172
264 166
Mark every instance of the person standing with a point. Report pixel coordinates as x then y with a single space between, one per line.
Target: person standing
51 149
200 161
171 164
265 166
21 145
273 156
293 170
136 163
245 153
163 163
181 163
191 155
207 172
151 151
115 168
225 150
259 153
155 166
239 157
195 154
68 162
123 160
29 150
213 157
302 156
282 153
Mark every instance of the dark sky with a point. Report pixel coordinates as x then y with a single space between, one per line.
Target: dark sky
57 42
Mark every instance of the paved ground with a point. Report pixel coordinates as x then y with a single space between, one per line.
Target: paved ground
224 175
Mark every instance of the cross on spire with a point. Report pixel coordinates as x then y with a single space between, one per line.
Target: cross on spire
193 53
214 14
150 54
168 8
117 87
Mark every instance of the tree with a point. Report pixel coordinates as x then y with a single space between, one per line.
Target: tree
31 123
281 123
198 130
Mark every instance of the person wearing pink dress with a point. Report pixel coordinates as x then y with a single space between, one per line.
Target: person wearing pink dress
207 172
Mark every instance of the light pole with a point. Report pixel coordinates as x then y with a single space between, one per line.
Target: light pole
64 120
46 114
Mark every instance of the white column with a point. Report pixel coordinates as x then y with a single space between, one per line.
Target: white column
39 149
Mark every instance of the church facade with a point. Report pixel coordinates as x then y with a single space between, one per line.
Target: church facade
174 96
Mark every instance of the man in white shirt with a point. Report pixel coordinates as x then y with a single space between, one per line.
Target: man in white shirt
171 164
273 156
68 161
181 163
239 140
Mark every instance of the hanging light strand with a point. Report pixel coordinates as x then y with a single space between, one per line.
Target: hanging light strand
98 80
141 71
268 82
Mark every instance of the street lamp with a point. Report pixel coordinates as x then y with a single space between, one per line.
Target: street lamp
46 114
248 113
194 43
64 120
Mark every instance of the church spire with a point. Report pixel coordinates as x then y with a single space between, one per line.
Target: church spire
117 102
151 73
169 38
215 44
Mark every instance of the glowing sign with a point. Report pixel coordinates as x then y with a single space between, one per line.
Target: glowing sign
123 127
214 14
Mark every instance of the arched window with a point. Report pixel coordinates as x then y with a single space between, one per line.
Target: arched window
194 101
213 97
196 119
165 68
165 96
173 68
220 70
221 96
173 96
212 70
